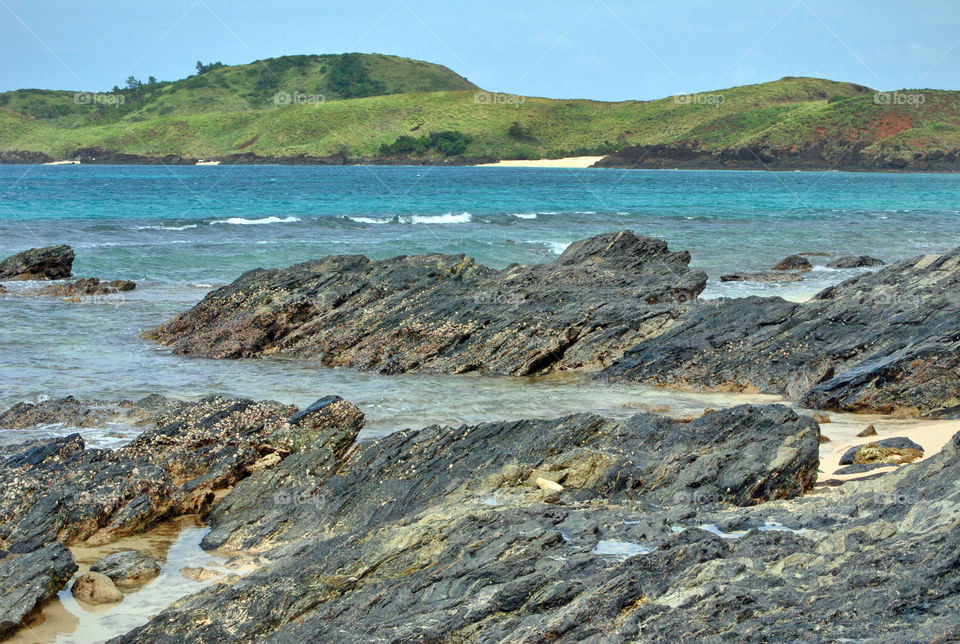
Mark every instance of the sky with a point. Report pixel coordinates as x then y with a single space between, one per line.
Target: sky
598 49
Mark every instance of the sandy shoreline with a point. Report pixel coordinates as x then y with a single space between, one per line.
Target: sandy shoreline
932 435
568 162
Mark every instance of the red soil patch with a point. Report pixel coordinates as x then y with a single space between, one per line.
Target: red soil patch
890 124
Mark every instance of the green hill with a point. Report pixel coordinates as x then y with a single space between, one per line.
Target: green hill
378 108
262 84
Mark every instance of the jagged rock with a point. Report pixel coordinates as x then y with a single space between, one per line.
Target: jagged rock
743 455
793 263
849 261
873 557
94 588
57 490
30 580
882 342
870 430
896 448
127 569
47 263
445 313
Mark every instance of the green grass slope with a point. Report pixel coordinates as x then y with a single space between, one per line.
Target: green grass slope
259 85
807 122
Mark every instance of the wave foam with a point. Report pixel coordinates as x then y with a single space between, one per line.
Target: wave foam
184 227
240 221
449 218
525 215
369 220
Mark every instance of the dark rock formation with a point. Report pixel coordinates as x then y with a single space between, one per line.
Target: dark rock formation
767 276
793 263
47 263
57 490
445 313
849 261
884 341
896 446
455 544
86 287
127 569
448 529
30 580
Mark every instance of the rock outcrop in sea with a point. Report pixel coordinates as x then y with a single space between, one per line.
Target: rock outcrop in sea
446 313
47 263
886 341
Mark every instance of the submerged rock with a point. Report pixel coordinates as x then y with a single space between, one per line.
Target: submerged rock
30 580
445 313
94 588
768 276
127 569
84 288
793 263
882 342
862 261
47 263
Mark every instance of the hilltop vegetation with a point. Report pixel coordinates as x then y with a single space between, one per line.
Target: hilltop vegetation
384 108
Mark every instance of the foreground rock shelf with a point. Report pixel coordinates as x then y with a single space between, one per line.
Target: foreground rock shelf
653 528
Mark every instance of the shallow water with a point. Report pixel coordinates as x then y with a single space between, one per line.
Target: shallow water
174 544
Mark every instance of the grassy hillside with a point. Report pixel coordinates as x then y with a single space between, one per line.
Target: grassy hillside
260 85
229 110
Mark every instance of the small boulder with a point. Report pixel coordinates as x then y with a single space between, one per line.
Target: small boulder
47 263
95 588
850 261
895 451
869 431
822 419
793 263
127 569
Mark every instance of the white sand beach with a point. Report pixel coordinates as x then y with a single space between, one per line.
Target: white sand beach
567 162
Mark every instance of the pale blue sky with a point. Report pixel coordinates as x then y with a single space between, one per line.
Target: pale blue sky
602 49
